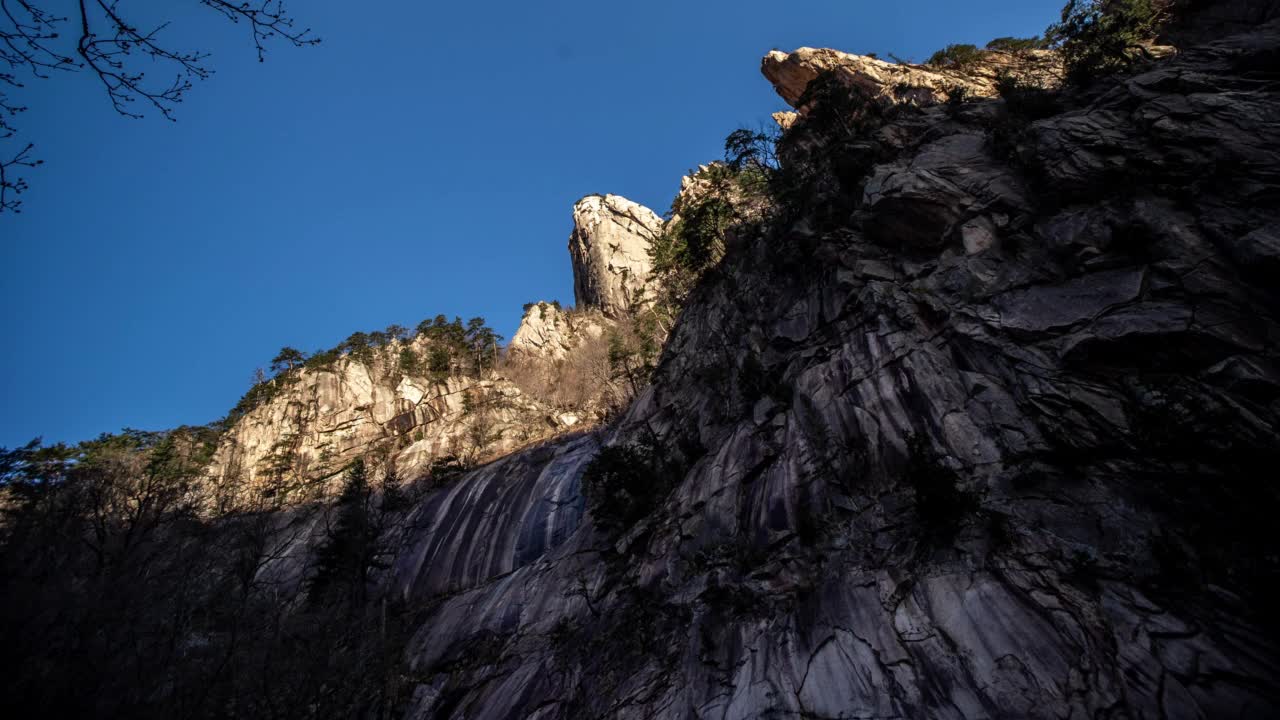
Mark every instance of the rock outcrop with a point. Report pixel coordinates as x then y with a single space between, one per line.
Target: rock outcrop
544 331
609 248
297 443
791 73
550 332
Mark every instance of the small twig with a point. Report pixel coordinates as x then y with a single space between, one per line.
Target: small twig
111 47
10 189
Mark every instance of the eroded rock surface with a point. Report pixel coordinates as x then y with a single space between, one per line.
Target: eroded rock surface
544 331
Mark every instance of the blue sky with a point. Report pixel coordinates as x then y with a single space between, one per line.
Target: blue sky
424 159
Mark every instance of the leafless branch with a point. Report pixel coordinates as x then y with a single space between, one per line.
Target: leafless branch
10 188
266 19
114 48
108 55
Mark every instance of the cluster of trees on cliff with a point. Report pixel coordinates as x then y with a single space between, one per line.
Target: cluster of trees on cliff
1094 37
452 348
128 592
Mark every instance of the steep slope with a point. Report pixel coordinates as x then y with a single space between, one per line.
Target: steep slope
996 446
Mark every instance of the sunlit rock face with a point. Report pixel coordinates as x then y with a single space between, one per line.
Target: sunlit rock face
544 331
1009 461
609 248
894 82
295 445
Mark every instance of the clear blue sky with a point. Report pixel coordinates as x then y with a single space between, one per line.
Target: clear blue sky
424 159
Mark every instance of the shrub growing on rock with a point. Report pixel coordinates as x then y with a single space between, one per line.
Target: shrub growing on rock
1099 37
955 57
409 364
1025 101
624 483
1014 45
941 505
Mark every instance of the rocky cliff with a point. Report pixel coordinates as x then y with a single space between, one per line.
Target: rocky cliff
995 446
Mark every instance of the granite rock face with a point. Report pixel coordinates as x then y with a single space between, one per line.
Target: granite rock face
609 248
1008 460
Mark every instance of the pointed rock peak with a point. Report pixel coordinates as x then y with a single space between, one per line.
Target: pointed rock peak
609 247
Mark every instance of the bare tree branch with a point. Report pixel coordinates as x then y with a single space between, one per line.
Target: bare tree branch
115 49
11 188
266 20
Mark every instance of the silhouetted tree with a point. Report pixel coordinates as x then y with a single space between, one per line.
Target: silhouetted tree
394 498
350 549
131 60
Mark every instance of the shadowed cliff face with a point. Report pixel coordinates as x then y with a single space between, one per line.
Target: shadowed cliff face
996 446
499 519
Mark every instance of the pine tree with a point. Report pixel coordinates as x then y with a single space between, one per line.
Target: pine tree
288 359
350 548
394 498
482 344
